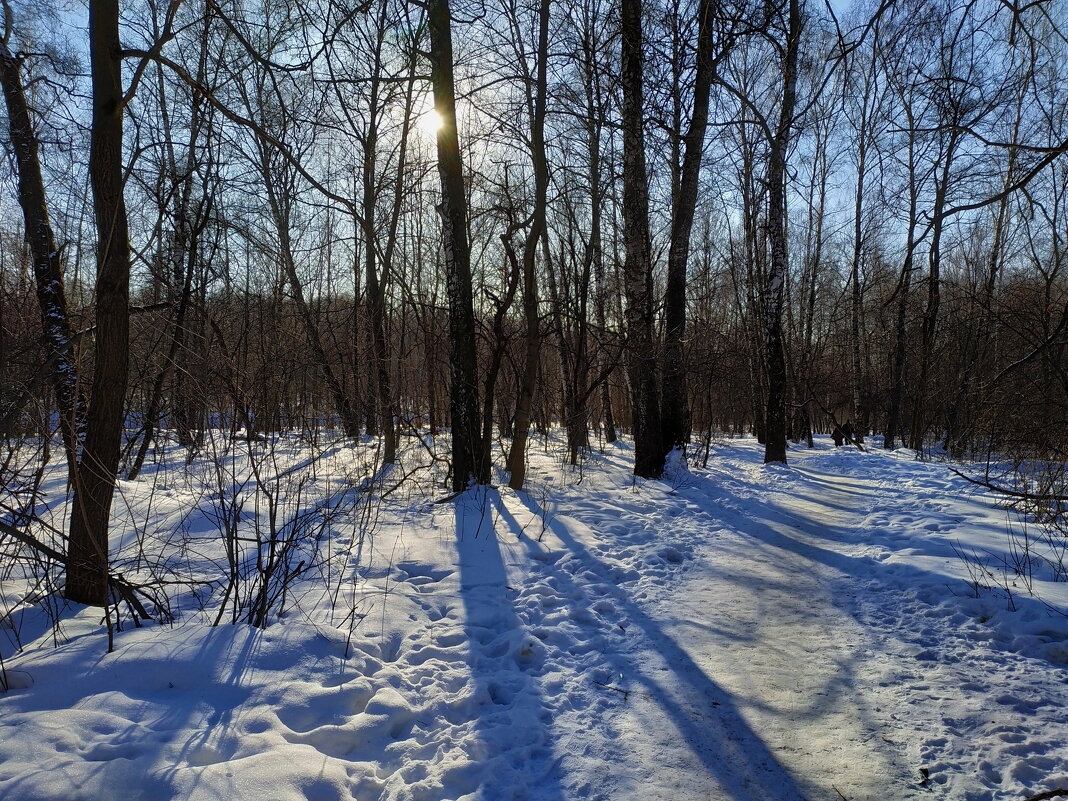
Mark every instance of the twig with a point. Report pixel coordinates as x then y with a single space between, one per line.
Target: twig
1058 793
620 690
1028 496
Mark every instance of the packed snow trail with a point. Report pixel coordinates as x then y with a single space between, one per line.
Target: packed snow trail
825 599
742 633
777 639
745 659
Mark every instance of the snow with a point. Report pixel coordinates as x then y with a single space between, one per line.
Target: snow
741 632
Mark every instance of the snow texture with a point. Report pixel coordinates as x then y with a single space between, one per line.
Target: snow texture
743 632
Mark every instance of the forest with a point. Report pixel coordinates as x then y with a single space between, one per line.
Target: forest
314 312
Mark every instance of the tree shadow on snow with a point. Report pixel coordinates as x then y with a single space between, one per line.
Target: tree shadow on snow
704 714
921 605
513 721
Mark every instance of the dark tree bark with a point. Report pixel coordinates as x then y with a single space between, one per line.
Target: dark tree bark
637 264
863 145
469 460
47 261
376 286
929 325
897 366
500 341
570 330
894 427
517 463
595 113
775 288
675 409
87 555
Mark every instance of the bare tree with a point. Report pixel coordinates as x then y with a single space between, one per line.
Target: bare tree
47 256
675 411
774 289
536 111
469 461
87 557
638 268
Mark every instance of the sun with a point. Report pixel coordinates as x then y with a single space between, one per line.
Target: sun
431 121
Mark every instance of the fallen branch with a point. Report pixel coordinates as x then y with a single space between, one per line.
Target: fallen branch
125 590
1026 496
620 690
1058 793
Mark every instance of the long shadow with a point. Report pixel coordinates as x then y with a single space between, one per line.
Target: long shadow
809 546
704 713
503 660
227 695
148 767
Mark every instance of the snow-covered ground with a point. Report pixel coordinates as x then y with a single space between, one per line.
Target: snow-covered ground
741 632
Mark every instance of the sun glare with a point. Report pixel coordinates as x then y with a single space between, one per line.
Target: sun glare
431 121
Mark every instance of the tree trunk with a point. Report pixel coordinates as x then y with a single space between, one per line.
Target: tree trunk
517 454
376 300
637 265
594 116
920 412
894 428
774 290
675 410
47 262
855 307
469 460
87 556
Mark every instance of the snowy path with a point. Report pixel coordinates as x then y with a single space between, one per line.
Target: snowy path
787 651
782 644
821 645
744 655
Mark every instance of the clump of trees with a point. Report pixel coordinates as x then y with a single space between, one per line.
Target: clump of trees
395 217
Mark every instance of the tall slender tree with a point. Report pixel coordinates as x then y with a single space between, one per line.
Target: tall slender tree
641 355
675 410
517 455
469 461
778 263
87 556
47 257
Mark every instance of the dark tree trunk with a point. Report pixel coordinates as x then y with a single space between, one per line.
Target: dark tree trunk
469 460
47 262
376 295
856 297
894 428
594 114
517 464
376 287
87 556
675 410
500 344
775 288
637 265
897 367
920 412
